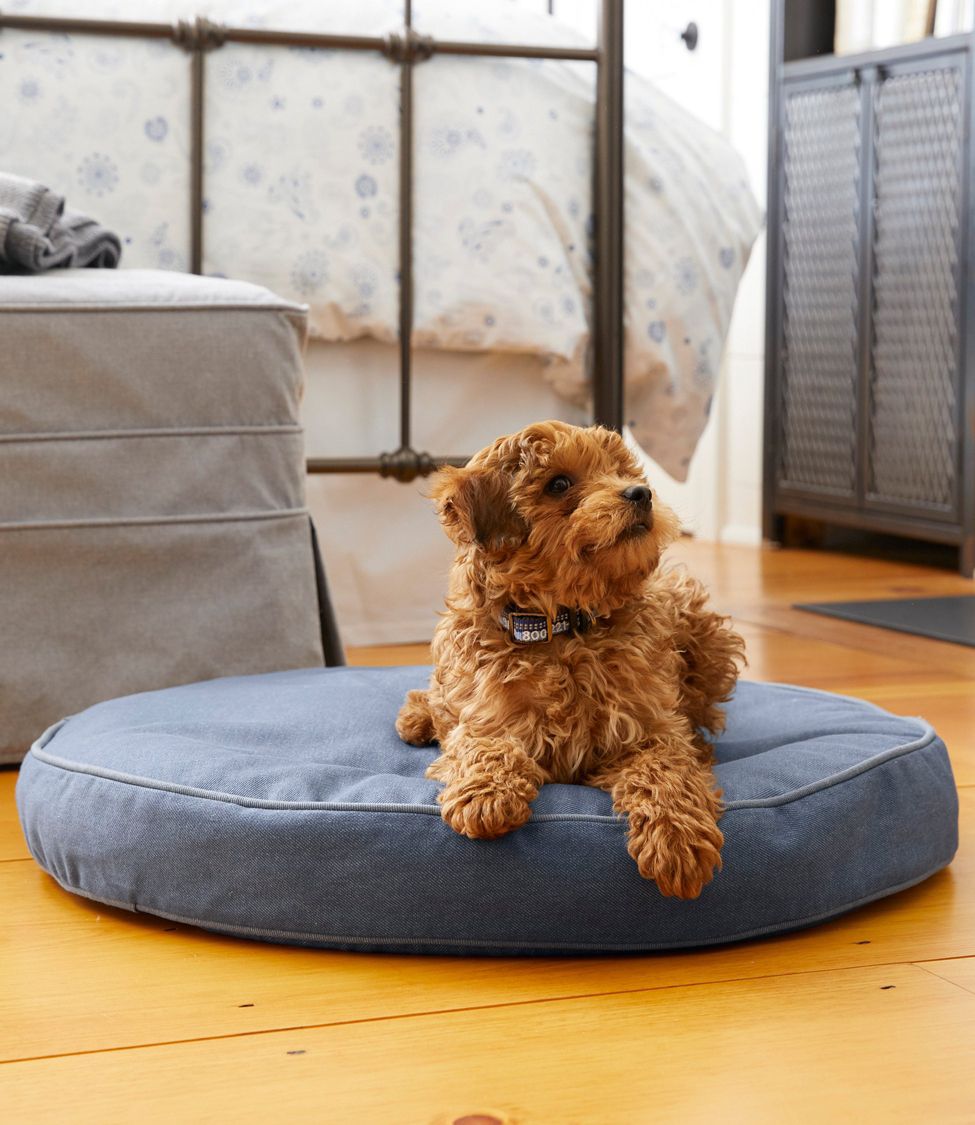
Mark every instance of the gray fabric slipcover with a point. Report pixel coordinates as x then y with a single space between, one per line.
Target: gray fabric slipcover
153 528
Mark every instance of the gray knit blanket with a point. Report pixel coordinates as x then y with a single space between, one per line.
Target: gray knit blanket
37 233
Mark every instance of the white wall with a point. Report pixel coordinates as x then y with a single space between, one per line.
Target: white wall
741 415
724 82
864 25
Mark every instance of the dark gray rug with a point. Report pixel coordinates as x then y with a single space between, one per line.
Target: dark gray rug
942 619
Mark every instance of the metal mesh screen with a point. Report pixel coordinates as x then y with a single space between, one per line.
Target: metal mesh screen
919 140
819 297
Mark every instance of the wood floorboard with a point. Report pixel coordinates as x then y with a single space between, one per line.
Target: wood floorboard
875 1044
777 654
12 843
959 971
866 639
115 1007
389 655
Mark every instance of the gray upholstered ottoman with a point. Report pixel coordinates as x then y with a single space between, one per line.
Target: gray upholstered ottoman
153 528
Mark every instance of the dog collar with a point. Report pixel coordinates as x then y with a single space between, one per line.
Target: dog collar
528 627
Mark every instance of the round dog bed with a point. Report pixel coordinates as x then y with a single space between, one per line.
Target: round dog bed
284 807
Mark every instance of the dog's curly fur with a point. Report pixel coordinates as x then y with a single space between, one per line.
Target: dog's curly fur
622 707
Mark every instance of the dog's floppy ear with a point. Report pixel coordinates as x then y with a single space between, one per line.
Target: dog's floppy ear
475 508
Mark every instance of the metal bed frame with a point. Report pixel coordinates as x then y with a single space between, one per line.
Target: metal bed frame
407 49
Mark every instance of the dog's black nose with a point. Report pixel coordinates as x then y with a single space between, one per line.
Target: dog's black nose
637 494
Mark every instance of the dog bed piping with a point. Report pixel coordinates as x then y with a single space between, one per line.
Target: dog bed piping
926 738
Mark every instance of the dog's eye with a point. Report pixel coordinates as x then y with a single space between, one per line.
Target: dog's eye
557 485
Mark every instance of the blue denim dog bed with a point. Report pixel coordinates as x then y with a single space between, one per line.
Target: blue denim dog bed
284 807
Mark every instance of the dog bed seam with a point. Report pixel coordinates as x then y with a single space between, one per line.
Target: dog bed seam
927 737
155 521
163 305
49 437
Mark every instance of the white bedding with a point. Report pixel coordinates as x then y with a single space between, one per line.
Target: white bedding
301 187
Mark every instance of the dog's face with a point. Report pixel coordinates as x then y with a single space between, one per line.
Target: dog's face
556 515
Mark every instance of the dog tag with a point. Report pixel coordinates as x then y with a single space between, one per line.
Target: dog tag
530 628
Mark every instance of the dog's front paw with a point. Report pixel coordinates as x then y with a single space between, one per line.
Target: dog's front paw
484 809
679 860
414 724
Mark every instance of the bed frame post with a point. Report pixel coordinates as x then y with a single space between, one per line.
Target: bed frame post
607 334
406 232
406 463
197 37
197 80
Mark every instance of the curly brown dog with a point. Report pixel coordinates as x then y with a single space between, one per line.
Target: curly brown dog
565 655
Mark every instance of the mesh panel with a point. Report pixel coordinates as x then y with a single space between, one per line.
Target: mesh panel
919 123
819 369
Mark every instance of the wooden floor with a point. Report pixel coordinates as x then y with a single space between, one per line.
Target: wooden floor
108 1017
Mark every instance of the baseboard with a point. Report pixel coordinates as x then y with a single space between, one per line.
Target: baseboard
741 535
